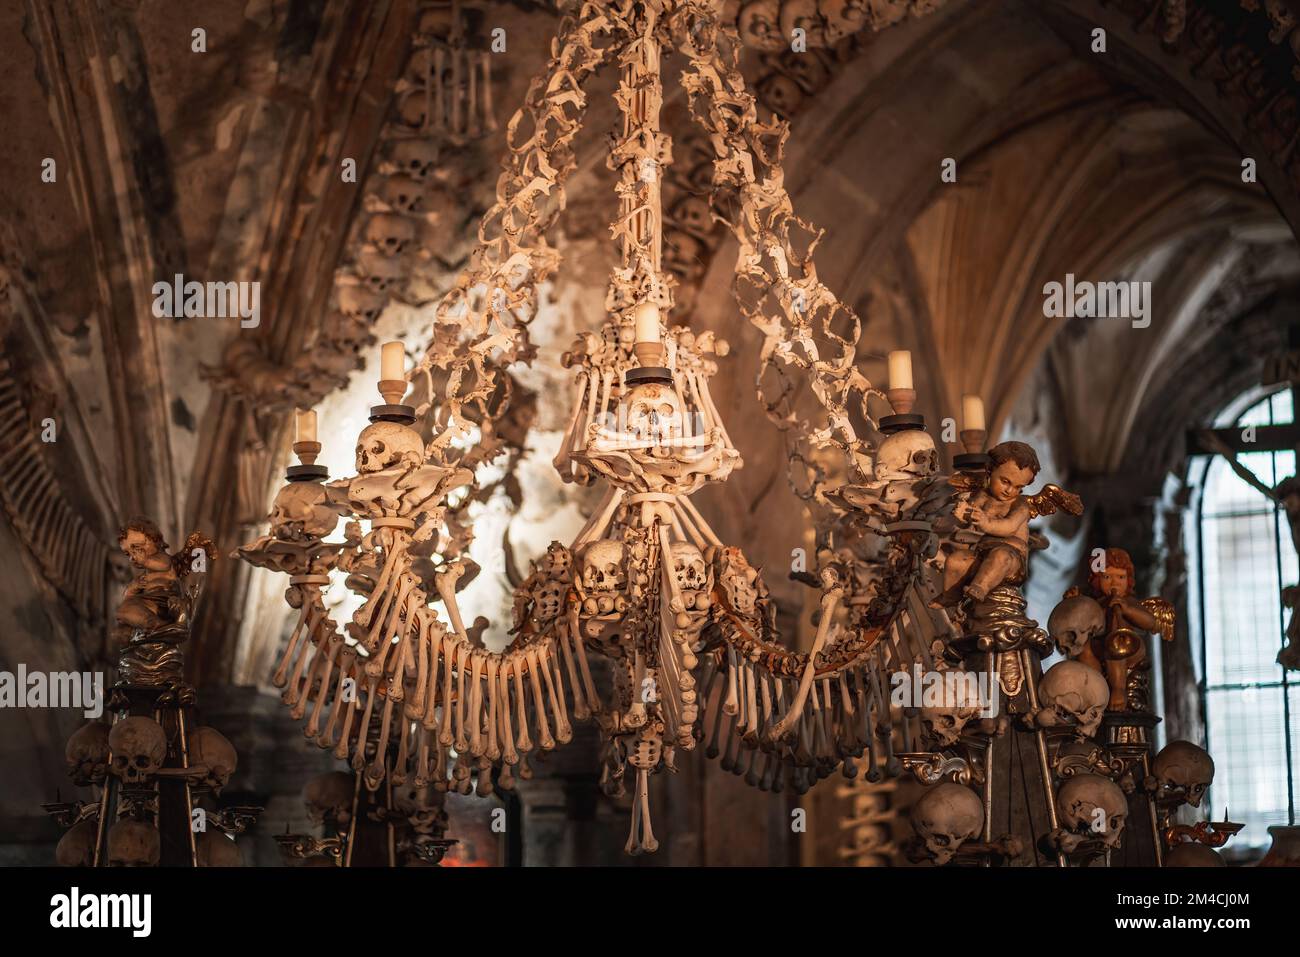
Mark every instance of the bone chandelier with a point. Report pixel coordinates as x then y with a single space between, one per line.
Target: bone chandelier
684 620
685 623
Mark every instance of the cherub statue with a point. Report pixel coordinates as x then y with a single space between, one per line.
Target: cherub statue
156 604
992 545
1121 654
154 597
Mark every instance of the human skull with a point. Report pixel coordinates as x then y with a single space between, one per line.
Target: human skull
209 747
688 567
1192 854
1093 806
947 720
1183 770
759 25
328 798
86 754
653 414
77 847
133 844
909 454
359 303
215 849
383 445
413 109
548 600
602 565
416 158
139 747
390 233
1073 693
404 194
945 817
378 272
424 812
300 512
1074 622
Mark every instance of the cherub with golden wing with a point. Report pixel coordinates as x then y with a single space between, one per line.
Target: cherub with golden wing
993 537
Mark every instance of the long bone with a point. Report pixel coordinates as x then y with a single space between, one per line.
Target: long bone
423 769
493 723
580 652
476 743
392 559
564 637
731 703
751 704
524 743
462 737
430 717
546 656
445 579
398 774
379 641
335 643
281 676
599 522
350 712
415 704
450 643
347 662
363 729
509 755
733 745
377 768
718 715
291 693
830 599
648 842
579 406
544 738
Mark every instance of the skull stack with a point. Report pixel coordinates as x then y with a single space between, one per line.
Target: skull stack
155 777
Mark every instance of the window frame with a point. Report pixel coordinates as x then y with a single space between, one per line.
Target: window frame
1231 417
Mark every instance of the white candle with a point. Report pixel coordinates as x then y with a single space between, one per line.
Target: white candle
306 425
900 369
392 363
972 413
646 318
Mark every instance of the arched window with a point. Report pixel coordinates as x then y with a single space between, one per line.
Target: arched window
1252 706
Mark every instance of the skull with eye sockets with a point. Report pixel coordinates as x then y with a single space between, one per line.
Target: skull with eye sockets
1183 772
385 445
906 455
1072 695
133 844
416 158
139 747
945 817
1092 806
654 415
1074 622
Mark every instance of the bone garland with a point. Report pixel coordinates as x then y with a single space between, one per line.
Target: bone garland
403 665
496 296
777 289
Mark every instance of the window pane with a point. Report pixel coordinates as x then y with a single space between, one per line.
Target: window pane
1242 604
1247 741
